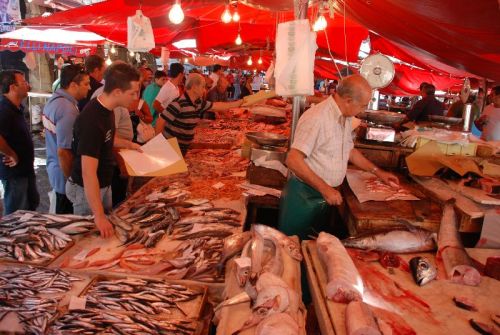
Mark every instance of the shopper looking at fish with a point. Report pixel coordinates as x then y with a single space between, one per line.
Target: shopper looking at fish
17 172
59 116
95 67
181 117
319 155
168 92
89 187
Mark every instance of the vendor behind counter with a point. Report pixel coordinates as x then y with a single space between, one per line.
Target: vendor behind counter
429 105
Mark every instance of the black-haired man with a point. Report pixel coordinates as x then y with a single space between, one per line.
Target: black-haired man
17 154
89 187
429 105
59 116
95 67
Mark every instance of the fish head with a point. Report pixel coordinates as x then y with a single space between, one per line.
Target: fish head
293 250
423 271
243 275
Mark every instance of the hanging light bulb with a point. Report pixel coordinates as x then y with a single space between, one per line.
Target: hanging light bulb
238 40
30 1
176 15
260 60
226 15
113 50
249 62
320 23
236 16
131 53
185 60
109 61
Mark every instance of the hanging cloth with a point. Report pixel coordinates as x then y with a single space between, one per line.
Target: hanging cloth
140 37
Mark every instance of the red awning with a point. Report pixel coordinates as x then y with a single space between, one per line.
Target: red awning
459 33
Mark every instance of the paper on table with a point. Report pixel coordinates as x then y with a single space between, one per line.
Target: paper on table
357 182
157 154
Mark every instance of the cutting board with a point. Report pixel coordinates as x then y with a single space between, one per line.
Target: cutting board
475 194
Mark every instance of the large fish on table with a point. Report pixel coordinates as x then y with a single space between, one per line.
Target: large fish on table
344 282
399 240
457 263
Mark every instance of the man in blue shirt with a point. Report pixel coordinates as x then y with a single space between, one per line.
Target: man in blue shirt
17 154
59 115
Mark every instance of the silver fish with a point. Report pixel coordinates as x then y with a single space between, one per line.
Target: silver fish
397 240
290 246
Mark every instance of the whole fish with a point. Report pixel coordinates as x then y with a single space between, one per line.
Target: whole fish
397 240
457 263
290 246
422 270
232 246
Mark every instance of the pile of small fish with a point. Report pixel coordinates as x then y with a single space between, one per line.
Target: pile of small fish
89 321
20 289
138 295
36 237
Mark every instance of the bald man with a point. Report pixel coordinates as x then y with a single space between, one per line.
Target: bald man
318 158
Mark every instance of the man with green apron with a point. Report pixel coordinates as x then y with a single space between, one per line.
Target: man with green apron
318 158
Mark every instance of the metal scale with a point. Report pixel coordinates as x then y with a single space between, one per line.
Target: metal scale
269 145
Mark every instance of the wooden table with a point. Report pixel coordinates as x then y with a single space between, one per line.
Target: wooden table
447 318
364 217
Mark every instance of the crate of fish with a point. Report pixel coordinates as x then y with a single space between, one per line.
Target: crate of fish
95 321
37 239
30 297
135 295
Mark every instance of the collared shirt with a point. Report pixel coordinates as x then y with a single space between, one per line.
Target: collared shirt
324 135
16 132
59 115
181 117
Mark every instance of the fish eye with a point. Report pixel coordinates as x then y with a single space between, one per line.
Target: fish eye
424 266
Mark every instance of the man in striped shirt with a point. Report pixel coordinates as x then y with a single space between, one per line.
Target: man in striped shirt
183 114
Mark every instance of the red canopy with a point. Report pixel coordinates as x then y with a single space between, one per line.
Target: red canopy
460 33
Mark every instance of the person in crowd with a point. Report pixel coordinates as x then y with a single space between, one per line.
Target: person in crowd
151 92
479 100
17 153
216 74
170 90
230 86
318 158
246 86
59 115
457 108
237 85
95 67
257 83
89 186
429 105
415 99
147 78
139 111
489 121
219 92
183 114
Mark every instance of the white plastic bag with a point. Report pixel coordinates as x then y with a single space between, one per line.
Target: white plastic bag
140 37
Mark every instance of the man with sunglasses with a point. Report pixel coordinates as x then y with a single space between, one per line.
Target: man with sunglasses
17 154
59 116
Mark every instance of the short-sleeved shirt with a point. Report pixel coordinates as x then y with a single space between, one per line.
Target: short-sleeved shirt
59 115
94 85
16 132
149 95
324 135
93 136
168 93
425 107
181 117
123 123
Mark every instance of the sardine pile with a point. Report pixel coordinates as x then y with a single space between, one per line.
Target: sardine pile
36 237
138 295
97 322
20 289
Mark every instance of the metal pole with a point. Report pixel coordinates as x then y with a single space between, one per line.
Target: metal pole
298 103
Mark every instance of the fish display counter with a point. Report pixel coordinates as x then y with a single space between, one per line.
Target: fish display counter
400 303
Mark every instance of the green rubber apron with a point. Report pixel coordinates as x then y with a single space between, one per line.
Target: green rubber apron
302 208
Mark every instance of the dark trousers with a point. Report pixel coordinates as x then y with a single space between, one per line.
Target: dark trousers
20 193
63 205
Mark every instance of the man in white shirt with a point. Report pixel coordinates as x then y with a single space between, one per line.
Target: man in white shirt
216 75
319 155
169 91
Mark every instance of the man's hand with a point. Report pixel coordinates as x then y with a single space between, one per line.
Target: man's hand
388 178
10 161
332 196
105 227
135 146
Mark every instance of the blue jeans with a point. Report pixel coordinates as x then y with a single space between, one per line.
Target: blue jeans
76 194
20 193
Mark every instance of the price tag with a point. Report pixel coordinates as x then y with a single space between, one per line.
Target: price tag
77 302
